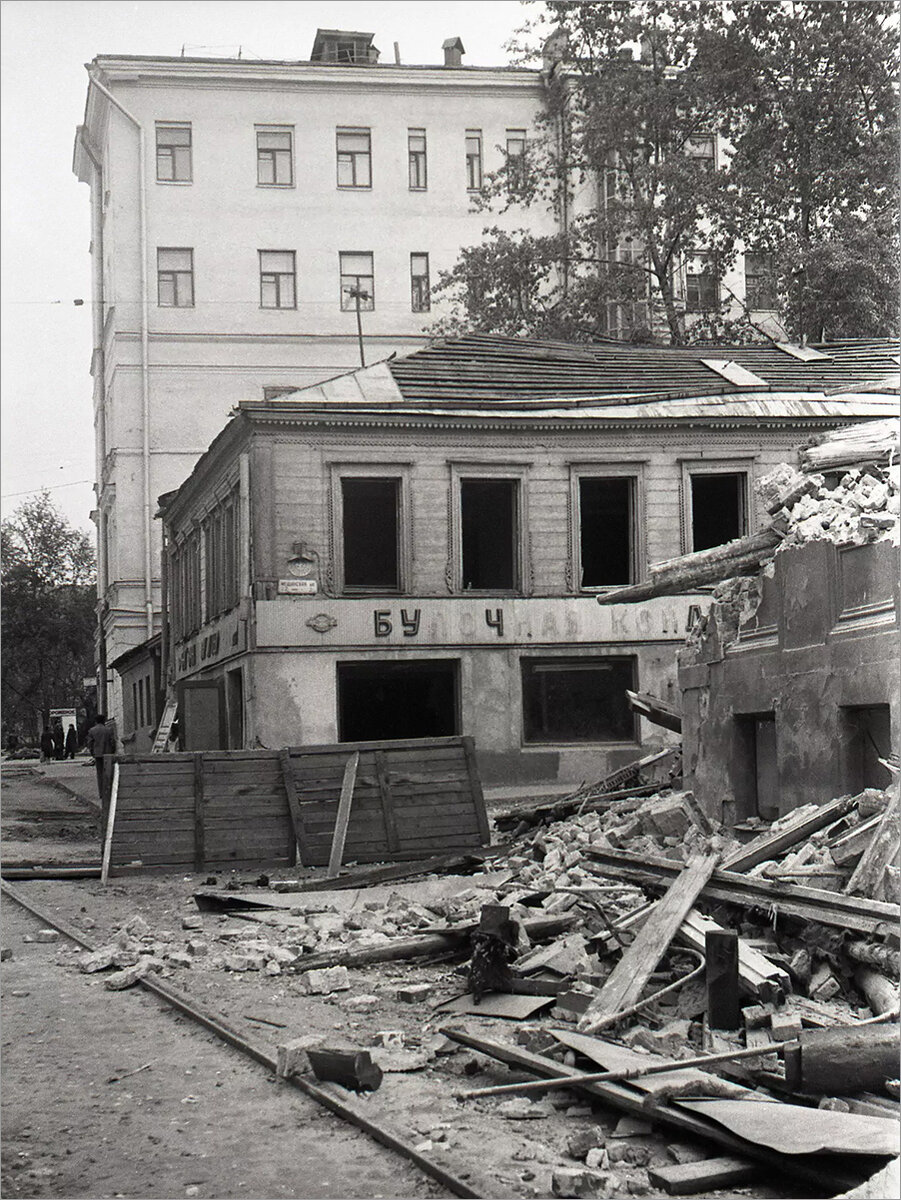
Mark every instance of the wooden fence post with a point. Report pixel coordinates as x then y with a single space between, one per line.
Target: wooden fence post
199 853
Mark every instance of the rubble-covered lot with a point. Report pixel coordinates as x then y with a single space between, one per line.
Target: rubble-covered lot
286 975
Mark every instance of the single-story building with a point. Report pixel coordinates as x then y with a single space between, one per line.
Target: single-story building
415 549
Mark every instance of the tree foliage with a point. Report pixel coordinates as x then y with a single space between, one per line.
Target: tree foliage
805 95
48 617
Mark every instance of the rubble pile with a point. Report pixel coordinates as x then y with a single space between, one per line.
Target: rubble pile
862 506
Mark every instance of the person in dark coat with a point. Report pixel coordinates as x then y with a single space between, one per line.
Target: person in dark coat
100 740
46 745
59 739
71 742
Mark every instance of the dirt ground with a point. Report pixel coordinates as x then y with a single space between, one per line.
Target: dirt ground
196 1118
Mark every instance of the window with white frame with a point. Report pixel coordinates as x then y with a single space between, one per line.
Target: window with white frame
516 155
173 152
473 160
420 296
354 149
175 277
417 159
278 279
357 281
275 156
221 556
701 147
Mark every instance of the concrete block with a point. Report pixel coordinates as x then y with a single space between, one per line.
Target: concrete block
136 926
193 921
272 968
97 960
47 935
178 958
197 947
325 981
361 1003
413 993
244 962
291 1057
596 1159
580 1144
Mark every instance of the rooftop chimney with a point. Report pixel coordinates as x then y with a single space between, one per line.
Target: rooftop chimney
453 52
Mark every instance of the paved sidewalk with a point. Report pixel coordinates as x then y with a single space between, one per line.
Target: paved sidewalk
75 775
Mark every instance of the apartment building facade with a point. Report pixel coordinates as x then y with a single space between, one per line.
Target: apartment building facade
258 227
417 548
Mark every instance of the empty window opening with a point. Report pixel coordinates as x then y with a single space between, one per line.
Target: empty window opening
702 289
384 700
577 699
606 531
717 509
370 533
868 738
488 520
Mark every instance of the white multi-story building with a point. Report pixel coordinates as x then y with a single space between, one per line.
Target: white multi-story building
258 227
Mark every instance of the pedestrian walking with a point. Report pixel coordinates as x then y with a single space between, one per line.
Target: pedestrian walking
100 741
59 739
71 742
46 745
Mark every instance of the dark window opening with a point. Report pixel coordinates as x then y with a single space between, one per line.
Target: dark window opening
577 699
606 531
717 509
869 738
370 512
488 523
384 700
234 698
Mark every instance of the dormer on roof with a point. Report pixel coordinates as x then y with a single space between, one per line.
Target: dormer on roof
453 52
344 46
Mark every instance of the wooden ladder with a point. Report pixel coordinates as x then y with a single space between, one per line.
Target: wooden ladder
162 734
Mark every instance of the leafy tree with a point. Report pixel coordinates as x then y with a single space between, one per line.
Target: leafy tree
815 168
48 618
804 91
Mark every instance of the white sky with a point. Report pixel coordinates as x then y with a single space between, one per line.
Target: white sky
47 421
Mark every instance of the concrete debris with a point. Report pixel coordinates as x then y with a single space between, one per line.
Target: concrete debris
127 978
325 981
46 935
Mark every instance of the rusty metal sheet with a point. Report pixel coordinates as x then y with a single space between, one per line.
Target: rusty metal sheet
793 1129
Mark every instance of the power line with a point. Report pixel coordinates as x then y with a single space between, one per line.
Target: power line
52 487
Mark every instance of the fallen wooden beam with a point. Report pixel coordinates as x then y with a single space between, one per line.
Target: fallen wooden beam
628 978
810 904
844 1060
771 845
353 1069
868 878
438 864
830 1175
687 1179
657 711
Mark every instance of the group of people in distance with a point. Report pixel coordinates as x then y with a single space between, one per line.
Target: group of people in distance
58 745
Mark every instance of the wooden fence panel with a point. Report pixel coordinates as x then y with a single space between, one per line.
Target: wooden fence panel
220 809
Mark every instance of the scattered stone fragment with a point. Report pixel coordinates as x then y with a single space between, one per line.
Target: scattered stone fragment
834 1104
98 960
597 1159
178 958
243 962
361 1003
522 1109
272 968
5 954
136 926
580 1144
47 935
193 921
627 1127
570 1182
629 1152
682 1153
324 981
197 947
127 978
394 1039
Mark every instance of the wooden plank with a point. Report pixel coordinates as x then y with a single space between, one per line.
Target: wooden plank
868 878
687 1179
386 800
852 844
628 978
475 785
341 820
110 825
165 726
293 804
771 845
198 812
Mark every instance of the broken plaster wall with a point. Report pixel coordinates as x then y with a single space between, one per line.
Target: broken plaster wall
809 646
